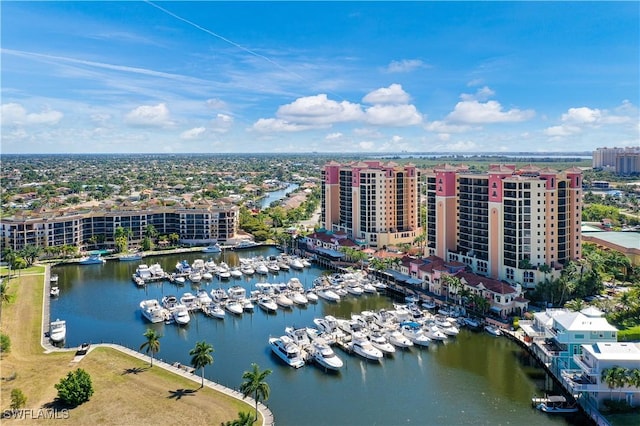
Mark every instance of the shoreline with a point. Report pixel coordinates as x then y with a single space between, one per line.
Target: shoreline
265 412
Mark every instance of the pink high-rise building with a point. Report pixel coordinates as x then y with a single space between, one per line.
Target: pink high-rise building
505 223
375 203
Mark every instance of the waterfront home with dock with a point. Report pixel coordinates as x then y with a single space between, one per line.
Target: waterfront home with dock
587 381
559 334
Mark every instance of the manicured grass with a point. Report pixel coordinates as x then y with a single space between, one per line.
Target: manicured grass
127 390
629 334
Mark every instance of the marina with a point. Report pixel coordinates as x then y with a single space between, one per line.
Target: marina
468 377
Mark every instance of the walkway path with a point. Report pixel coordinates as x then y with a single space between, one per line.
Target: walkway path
267 415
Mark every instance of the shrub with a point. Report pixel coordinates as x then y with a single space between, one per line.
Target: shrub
5 343
76 388
18 400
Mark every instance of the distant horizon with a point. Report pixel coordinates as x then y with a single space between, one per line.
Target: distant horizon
302 77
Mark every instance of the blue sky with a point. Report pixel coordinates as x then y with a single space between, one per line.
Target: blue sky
216 77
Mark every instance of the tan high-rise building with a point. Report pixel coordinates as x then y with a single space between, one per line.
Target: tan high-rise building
505 223
373 202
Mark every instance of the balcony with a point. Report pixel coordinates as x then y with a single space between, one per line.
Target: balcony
586 368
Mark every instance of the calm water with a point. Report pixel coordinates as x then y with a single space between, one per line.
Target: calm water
473 379
277 195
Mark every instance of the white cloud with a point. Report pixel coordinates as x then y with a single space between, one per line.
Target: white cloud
216 103
101 119
582 115
222 123
149 116
394 94
406 65
333 136
481 94
444 127
562 130
274 125
14 114
318 110
475 112
460 146
366 145
194 133
393 115
368 132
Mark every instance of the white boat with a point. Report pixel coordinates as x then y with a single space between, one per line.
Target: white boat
396 338
181 314
287 350
273 267
203 297
311 296
379 341
428 304
283 300
195 277
472 323
55 291
261 269
363 347
130 257
189 300
555 404
179 280
245 244
234 307
413 332
298 298
247 305
213 248
296 263
219 295
169 302
207 276
305 262
92 259
369 288
58 331
143 272
183 267
434 332
267 304
328 324
322 353
493 330
247 269
235 273
153 311
328 295
299 336
354 289
213 310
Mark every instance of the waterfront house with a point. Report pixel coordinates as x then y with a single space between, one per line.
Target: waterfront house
564 334
587 380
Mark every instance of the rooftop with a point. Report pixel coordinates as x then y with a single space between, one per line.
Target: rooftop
613 351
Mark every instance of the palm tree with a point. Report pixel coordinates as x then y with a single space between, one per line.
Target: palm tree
244 419
255 385
201 357
575 305
152 345
608 376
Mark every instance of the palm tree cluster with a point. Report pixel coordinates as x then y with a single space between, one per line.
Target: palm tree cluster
254 380
618 377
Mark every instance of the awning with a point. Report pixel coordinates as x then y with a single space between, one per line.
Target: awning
495 309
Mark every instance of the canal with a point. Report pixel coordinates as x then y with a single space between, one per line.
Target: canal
277 195
472 379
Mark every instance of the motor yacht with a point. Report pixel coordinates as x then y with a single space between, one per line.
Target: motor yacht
493 330
434 332
311 296
396 338
58 331
55 291
361 345
235 272
328 295
413 331
213 310
299 336
287 350
298 298
234 307
190 301
379 341
219 295
203 297
322 353
181 314
267 304
153 311
261 269
92 259
213 248
283 301
296 263
169 302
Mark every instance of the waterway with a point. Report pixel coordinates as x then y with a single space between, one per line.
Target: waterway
277 195
472 379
